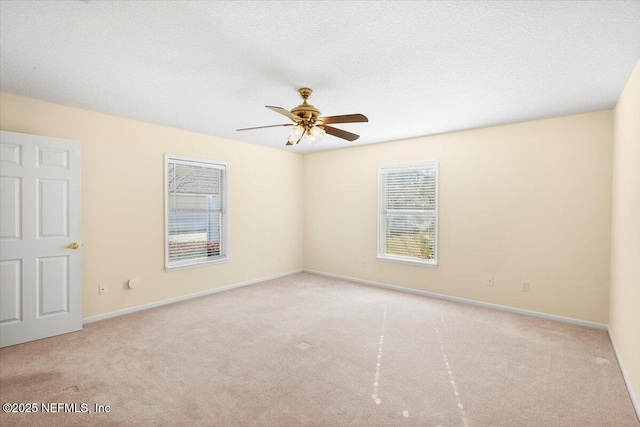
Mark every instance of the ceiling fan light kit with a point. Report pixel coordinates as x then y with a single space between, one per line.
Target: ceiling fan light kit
315 134
307 121
296 133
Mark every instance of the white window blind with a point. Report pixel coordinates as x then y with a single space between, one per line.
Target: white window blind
196 211
408 220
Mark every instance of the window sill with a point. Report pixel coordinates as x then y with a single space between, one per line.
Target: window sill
401 260
195 264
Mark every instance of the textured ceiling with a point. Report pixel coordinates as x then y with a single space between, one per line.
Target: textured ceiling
414 68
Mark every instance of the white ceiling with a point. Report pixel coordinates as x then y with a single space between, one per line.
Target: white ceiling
414 68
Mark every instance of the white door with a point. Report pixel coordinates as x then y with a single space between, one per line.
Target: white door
41 289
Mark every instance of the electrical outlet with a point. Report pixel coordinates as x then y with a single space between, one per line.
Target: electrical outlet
102 289
364 263
525 287
490 281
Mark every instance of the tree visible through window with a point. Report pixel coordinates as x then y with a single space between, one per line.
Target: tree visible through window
196 211
408 213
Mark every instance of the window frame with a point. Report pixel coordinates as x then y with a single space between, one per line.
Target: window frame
224 228
382 228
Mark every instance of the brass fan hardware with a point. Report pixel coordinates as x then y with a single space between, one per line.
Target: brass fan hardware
307 121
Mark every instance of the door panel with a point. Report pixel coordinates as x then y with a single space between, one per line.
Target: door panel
10 153
53 158
10 291
10 195
53 281
41 291
53 202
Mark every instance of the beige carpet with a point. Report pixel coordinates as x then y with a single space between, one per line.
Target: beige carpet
307 350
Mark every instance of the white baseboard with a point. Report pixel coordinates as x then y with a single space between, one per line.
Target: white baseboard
466 301
627 380
130 310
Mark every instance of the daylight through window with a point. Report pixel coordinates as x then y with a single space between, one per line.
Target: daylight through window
196 212
408 220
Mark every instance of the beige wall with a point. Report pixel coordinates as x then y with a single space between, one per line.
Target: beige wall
527 201
625 234
123 203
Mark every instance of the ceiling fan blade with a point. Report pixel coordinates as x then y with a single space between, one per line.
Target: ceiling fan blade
341 133
262 127
347 118
284 112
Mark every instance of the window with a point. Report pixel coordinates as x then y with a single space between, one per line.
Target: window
196 212
407 213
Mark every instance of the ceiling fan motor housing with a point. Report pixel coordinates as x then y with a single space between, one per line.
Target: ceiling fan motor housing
307 112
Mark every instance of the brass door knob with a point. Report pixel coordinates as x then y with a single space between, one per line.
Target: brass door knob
74 245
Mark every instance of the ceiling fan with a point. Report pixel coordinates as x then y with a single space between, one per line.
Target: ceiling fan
307 121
